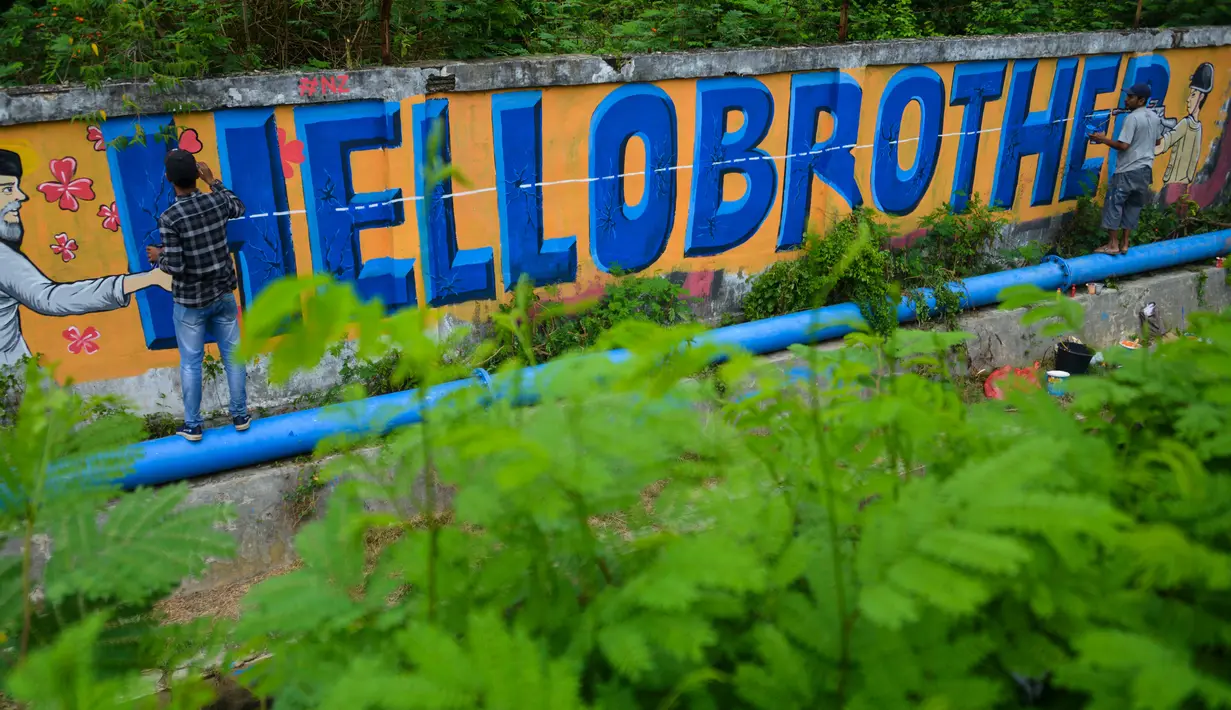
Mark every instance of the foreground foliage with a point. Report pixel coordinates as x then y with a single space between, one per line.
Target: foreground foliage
76 631
641 540
813 548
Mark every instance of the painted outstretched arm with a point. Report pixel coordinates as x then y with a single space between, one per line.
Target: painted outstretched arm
145 279
22 280
1166 141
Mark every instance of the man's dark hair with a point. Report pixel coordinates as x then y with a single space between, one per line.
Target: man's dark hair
182 169
10 163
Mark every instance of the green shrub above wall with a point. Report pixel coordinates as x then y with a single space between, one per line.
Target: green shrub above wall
90 41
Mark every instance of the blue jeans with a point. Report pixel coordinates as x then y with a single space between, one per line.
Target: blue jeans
191 326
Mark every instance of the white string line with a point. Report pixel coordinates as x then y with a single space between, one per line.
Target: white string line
588 180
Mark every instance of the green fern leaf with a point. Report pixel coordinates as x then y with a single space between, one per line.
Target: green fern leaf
982 552
941 586
147 544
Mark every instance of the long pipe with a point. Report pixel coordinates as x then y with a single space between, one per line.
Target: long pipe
286 435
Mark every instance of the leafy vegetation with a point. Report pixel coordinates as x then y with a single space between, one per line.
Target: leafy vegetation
871 541
953 246
815 278
55 41
639 539
83 621
1084 233
555 328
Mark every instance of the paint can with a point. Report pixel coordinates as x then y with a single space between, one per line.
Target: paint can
1056 382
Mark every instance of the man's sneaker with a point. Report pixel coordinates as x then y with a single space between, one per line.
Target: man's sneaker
242 423
191 433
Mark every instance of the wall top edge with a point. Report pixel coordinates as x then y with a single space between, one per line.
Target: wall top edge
57 103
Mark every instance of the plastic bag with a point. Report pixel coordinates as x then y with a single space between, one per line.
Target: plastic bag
992 391
1152 319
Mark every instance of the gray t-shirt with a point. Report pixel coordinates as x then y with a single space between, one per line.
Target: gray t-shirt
1141 131
21 283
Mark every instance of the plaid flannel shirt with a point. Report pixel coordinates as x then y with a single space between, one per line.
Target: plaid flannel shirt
194 240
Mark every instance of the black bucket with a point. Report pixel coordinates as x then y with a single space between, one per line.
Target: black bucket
1073 358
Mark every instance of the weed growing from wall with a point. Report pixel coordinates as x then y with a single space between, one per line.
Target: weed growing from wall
555 328
814 279
953 247
1084 232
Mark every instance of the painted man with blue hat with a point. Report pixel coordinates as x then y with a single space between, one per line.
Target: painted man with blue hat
1130 186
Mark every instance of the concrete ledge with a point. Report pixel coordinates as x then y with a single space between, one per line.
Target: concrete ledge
58 103
1000 338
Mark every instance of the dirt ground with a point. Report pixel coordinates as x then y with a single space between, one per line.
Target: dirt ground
222 602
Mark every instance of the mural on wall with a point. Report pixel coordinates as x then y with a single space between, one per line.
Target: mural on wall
24 284
570 184
1181 139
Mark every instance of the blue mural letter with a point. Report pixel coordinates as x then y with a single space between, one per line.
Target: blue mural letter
894 190
715 224
251 165
1152 69
336 214
142 192
974 84
517 127
623 236
1040 133
839 95
450 275
1081 175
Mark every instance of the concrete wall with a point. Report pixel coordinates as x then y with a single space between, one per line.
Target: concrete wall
708 166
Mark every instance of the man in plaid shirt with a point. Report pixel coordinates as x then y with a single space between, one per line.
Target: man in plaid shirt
194 252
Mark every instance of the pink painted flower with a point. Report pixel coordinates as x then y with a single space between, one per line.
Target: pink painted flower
79 342
111 217
292 153
94 133
65 188
65 247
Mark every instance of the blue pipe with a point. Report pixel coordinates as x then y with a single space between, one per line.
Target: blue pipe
1151 257
283 436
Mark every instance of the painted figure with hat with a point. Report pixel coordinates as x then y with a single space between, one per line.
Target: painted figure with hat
23 284
1182 138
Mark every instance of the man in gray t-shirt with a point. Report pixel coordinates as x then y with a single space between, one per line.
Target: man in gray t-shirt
1130 185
